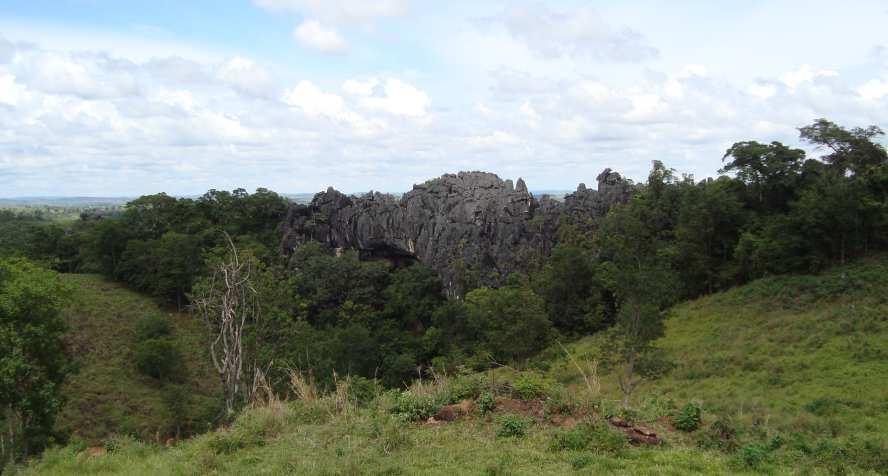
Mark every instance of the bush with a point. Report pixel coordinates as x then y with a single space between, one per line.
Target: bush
720 435
512 426
159 358
465 386
486 403
752 455
153 327
529 386
363 390
415 407
689 418
588 435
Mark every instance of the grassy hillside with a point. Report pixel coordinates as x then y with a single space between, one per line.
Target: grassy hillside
108 395
790 374
799 361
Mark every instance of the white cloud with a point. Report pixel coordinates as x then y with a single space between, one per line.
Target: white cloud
96 123
762 90
399 98
245 75
10 92
313 35
493 141
581 33
805 74
533 117
357 87
340 11
873 89
314 101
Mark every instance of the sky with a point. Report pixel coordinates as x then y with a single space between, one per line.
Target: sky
123 98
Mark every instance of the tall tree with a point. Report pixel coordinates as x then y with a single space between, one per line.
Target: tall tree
853 150
33 363
769 170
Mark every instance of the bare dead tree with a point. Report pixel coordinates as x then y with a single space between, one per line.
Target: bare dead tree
229 304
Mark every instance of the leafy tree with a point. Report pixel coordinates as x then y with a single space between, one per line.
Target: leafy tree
159 358
572 294
177 261
710 221
769 170
636 269
851 150
33 364
412 297
510 321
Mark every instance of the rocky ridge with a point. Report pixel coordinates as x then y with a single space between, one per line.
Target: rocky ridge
466 226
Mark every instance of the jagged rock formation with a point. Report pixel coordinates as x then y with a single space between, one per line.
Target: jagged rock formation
465 226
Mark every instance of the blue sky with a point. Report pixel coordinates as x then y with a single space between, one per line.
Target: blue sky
101 97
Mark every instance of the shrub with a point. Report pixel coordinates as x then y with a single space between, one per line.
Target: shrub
116 443
589 435
252 428
775 442
465 386
720 435
529 386
486 403
159 358
363 390
153 327
512 426
752 455
412 406
689 418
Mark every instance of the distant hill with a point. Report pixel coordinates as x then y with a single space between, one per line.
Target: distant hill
67 202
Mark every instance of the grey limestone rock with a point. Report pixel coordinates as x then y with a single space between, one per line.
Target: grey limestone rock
466 225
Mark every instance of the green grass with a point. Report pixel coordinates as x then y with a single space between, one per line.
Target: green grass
107 395
792 369
290 440
801 358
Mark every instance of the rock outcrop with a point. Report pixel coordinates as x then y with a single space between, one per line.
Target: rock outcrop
470 225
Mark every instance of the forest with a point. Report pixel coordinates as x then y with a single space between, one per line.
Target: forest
325 315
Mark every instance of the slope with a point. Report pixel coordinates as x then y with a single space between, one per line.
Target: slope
108 395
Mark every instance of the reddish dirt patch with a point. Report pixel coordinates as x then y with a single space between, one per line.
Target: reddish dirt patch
455 411
638 435
564 421
531 408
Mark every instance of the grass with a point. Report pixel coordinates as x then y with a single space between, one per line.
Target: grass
803 359
108 395
789 374
288 438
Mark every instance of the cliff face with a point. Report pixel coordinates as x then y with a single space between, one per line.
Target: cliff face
470 225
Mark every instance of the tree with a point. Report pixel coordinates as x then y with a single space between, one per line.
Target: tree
510 321
571 291
770 170
710 220
33 363
851 150
635 268
177 261
228 303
